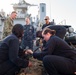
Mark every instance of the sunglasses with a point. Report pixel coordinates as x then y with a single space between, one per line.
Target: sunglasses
45 19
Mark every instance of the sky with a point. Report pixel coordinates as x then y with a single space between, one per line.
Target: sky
59 10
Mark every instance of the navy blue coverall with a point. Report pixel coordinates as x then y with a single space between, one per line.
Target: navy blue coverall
58 57
29 36
10 62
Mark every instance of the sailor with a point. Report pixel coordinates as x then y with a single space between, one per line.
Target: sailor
8 24
47 22
29 35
